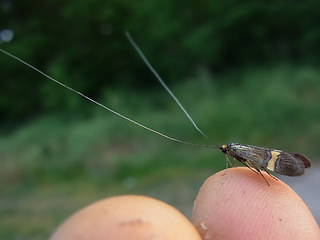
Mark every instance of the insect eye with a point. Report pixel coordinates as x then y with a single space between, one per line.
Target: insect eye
223 148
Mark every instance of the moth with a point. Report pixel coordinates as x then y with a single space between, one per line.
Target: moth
257 159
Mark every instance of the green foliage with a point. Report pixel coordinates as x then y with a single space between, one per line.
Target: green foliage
82 44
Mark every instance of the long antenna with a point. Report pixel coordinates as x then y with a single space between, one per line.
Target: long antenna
101 105
145 60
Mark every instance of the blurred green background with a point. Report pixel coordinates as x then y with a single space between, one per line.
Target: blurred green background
247 71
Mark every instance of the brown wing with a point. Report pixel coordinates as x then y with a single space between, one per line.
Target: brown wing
304 159
291 164
257 156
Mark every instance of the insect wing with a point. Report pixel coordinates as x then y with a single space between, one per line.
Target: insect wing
291 164
254 156
303 158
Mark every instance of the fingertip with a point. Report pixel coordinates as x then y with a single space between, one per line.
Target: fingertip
238 204
127 217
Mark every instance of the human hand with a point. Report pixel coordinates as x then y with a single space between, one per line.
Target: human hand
231 204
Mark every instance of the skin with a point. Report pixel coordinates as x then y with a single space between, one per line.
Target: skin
231 204
127 217
238 204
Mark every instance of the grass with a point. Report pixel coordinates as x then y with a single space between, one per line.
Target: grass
56 164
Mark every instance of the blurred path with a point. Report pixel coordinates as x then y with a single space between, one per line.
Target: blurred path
308 188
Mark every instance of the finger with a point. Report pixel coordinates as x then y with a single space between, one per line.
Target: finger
127 217
238 204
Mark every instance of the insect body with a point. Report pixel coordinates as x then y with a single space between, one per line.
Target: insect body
255 158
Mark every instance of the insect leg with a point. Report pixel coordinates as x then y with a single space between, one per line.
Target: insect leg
270 174
263 176
234 162
228 161
256 170
253 170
